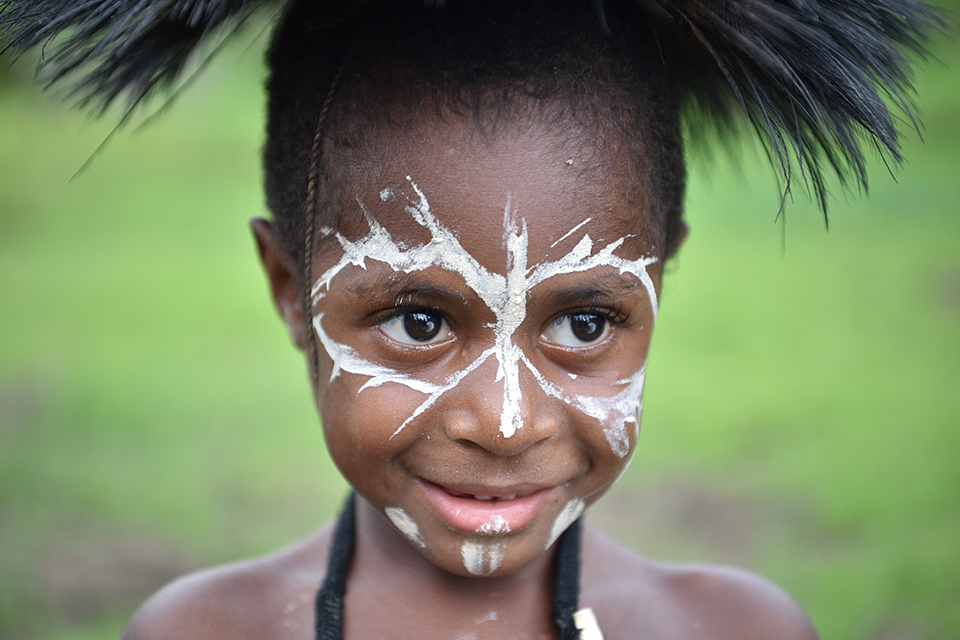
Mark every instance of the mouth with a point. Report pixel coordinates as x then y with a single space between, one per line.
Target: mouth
487 511
483 498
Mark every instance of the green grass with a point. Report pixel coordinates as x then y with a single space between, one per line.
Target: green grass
800 417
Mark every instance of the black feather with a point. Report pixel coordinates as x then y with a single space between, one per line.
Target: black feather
109 48
814 77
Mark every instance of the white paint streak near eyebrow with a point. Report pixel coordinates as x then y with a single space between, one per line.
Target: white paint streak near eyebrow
571 511
402 521
570 233
580 259
505 296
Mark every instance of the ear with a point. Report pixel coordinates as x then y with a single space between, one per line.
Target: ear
283 284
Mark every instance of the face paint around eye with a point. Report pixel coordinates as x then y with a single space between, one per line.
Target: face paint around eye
578 330
416 327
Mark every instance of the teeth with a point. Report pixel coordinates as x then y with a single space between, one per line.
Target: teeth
490 498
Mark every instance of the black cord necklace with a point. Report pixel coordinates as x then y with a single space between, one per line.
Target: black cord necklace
329 604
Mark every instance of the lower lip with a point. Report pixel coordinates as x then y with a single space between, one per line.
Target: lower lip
469 514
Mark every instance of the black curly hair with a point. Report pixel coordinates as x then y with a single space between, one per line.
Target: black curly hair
336 80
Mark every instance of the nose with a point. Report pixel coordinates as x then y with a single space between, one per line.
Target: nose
506 416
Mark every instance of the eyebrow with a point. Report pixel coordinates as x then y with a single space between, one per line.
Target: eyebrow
608 286
399 286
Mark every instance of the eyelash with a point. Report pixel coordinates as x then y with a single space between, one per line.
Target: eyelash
614 317
614 314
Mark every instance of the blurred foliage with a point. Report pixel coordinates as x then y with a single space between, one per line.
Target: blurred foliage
801 409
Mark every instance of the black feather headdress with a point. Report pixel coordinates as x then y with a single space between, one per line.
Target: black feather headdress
813 77
109 48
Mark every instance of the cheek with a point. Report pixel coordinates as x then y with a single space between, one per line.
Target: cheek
363 424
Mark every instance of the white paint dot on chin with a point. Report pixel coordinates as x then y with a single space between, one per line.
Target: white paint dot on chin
402 521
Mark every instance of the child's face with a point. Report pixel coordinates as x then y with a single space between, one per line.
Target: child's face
484 313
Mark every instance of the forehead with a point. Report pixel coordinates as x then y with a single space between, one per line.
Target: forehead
552 178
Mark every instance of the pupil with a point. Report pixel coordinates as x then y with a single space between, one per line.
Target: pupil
587 327
421 326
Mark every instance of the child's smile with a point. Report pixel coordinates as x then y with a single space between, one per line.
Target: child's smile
484 315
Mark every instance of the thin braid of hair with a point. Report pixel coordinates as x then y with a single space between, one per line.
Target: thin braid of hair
566 585
313 206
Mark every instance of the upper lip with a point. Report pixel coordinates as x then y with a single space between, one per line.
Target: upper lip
494 491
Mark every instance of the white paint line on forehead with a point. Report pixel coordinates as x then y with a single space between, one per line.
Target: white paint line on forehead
570 233
481 558
505 296
571 511
402 521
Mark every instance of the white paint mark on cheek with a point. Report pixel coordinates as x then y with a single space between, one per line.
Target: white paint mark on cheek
571 511
617 412
386 194
402 521
497 524
573 376
481 558
614 412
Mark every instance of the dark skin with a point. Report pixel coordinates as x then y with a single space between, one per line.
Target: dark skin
421 587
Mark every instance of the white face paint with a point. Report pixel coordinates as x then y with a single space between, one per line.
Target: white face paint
496 525
504 295
571 511
402 521
490 617
480 557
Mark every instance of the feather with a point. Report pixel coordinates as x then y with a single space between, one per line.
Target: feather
109 48
813 77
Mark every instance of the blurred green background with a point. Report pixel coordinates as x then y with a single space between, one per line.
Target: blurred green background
801 412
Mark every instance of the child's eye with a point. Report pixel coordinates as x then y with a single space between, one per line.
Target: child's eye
416 327
578 330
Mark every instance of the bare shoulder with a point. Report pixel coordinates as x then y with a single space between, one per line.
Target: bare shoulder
634 597
267 597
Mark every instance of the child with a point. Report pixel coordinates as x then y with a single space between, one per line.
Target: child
472 205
